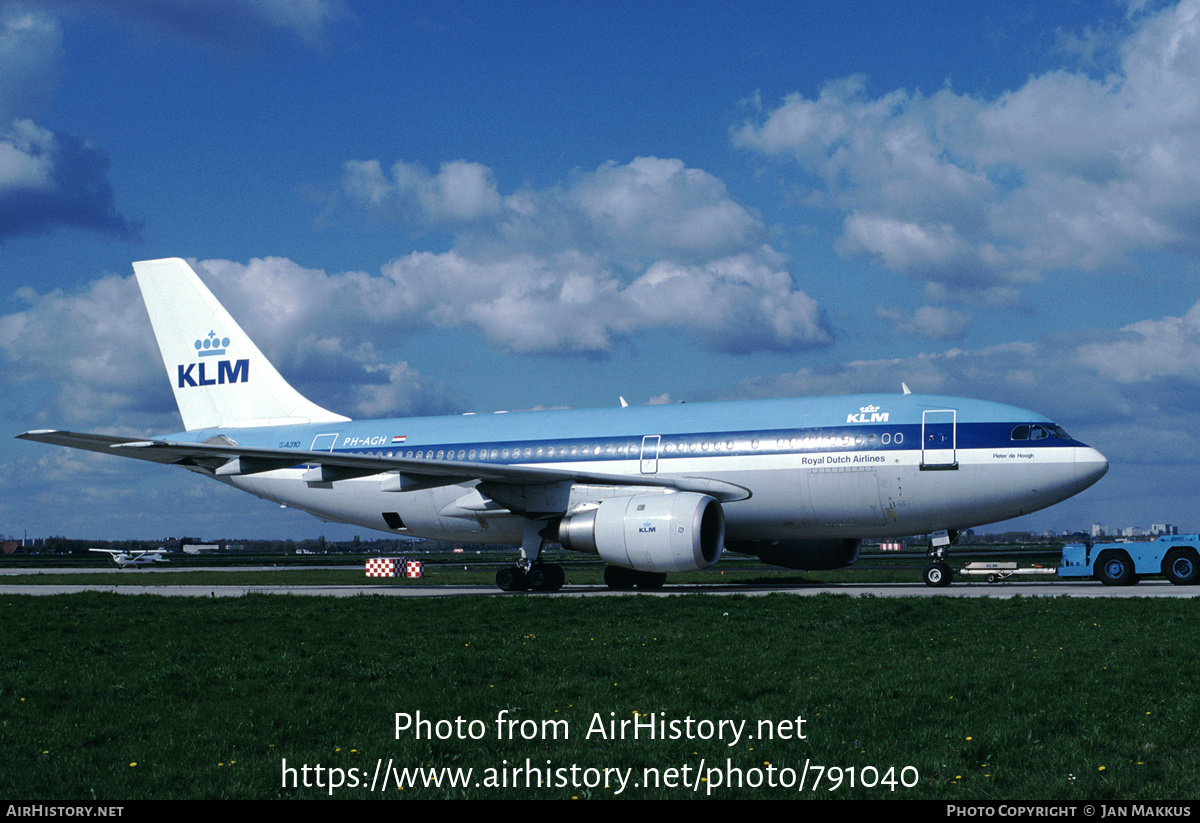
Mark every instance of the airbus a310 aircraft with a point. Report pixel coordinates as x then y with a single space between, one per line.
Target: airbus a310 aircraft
650 489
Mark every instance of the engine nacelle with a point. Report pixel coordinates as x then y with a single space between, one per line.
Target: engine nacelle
677 532
806 555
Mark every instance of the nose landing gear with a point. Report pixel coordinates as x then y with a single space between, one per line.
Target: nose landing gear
938 572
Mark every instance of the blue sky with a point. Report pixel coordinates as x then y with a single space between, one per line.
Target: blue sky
424 208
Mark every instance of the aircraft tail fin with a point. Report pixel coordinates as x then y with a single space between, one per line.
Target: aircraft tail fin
219 376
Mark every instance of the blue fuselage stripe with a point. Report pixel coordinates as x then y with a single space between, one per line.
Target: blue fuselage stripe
875 438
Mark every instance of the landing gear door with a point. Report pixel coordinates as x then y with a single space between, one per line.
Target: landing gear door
939 439
650 453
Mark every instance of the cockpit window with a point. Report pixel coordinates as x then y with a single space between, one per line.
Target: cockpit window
1039 432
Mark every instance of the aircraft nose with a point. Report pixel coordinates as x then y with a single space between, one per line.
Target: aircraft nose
1090 466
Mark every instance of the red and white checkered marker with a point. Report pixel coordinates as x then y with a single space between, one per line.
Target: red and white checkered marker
414 568
381 567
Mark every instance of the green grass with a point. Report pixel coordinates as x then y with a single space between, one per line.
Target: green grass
1024 698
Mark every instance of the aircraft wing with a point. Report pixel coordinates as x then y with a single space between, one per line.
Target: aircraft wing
225 458
91 442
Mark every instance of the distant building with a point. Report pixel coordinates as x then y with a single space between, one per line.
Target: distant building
1163 528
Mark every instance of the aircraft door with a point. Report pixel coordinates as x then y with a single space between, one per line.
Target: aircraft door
323 443
650 453
939 439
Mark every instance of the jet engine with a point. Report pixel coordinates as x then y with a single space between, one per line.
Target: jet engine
806 555
676 532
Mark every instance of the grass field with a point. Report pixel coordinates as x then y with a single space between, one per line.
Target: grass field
107 697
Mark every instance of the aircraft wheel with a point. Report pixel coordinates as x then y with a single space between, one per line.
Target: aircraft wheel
651 580
621 579
1115 569
511 579
545 577
1181 568
535 579
937 575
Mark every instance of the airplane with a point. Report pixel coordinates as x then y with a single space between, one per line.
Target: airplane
134 558
651 490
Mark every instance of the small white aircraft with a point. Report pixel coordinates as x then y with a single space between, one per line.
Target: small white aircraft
134 558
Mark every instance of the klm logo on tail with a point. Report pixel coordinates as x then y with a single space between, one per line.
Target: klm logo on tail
228 371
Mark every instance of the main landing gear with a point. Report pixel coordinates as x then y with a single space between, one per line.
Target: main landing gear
530 573
541 577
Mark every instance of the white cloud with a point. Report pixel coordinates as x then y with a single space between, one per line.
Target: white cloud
654 205
459 192
93 349
51 180
573 302
647 245
971 194
26 158
929 321
1150 350
649 207
47 180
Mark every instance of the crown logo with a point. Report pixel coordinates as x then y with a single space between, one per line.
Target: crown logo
868 409
211 346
